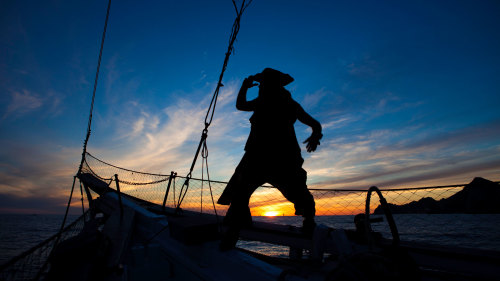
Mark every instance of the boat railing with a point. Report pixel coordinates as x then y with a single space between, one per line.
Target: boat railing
413 220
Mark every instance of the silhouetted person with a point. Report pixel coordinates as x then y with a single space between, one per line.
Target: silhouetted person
272 153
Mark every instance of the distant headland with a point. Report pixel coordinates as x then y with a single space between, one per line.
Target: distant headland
480 196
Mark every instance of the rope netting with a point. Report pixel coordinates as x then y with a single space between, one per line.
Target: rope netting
28 265
268 201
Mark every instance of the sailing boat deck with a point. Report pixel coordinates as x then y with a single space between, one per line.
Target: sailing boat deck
158 242
200 233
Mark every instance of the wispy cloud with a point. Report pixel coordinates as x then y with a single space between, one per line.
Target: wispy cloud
25 101
37 172
166 140
384 156
22 103
337 123
364 67
379 158
311 100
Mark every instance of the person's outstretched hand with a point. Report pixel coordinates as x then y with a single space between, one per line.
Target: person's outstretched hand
312 142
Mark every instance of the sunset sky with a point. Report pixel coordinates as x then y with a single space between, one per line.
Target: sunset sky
407 92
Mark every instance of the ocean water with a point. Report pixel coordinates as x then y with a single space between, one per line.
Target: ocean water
478 231
18 233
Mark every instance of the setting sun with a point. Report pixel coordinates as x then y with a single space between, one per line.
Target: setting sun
271 213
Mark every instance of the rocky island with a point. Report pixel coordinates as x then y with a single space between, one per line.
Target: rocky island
480 196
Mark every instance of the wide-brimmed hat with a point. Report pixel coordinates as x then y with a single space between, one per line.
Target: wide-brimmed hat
273 76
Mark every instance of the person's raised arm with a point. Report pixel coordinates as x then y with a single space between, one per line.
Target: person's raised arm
241 100
313 140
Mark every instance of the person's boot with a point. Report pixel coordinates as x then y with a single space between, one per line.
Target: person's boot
229 239
308 225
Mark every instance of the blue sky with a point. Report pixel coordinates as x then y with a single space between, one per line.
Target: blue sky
407 91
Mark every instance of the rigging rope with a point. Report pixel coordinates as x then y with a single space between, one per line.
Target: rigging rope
230 49
84 152
213 103
204 154
95 88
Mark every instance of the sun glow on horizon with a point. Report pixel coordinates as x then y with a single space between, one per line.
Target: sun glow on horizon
271 213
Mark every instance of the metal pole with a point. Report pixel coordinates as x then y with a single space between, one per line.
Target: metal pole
119 196
172 176
83 205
